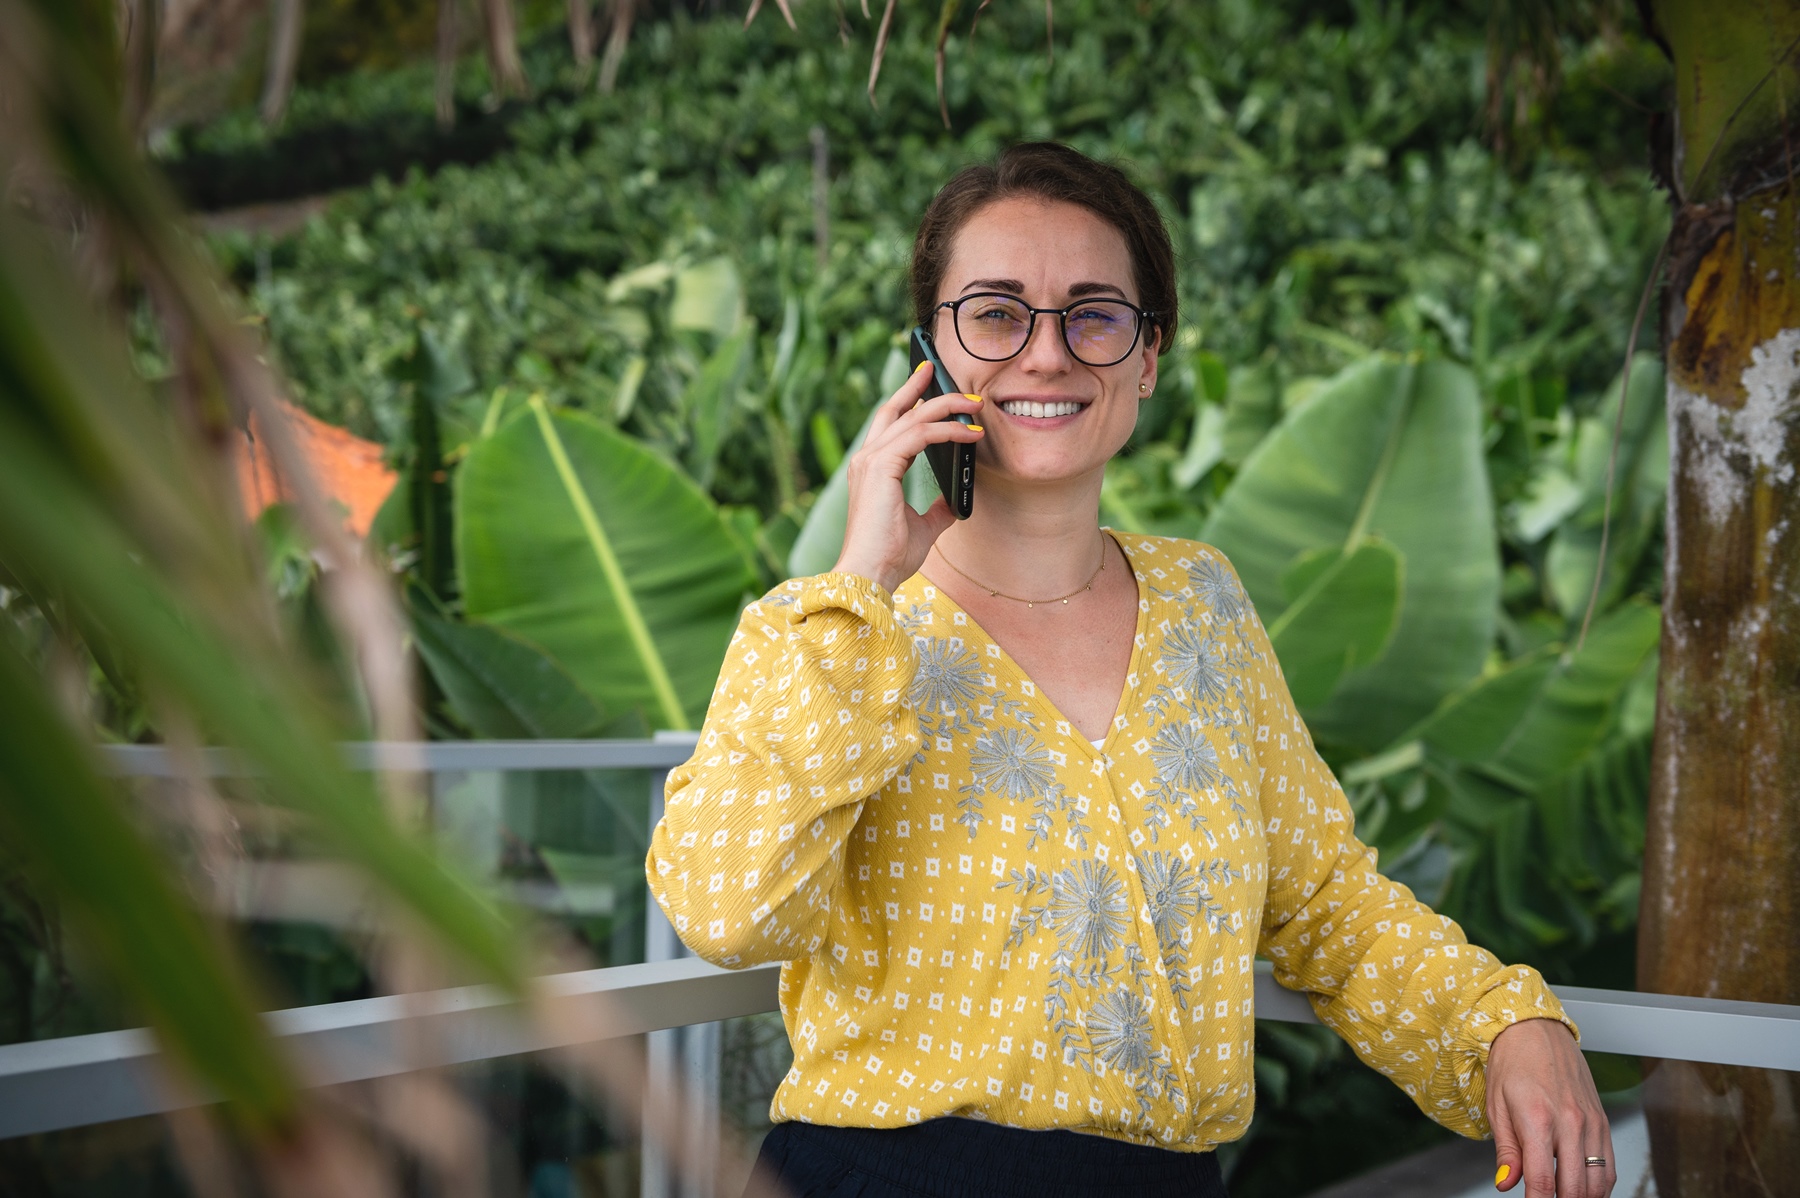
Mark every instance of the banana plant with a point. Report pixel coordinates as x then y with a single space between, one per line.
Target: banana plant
1342 609
499 685
1540 769
590 547
1389 449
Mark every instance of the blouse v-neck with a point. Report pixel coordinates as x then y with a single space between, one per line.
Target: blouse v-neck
1041 699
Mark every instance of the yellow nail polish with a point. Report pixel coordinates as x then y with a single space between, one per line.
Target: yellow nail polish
976 398
1500 1177
976 427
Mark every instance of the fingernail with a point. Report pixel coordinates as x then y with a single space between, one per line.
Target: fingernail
976 398
1501 1176
976 427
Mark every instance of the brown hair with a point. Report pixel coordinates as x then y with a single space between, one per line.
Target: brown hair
1048 171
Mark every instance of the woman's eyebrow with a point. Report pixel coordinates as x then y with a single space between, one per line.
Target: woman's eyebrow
1012 285
1015 287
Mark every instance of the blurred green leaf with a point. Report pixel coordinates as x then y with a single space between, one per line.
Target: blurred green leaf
630 380
105 504
438 366
1639 488
66 824
711 402
708 299
827 445
287 555
1205 447
1252 408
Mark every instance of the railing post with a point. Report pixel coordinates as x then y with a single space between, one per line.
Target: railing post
690 1053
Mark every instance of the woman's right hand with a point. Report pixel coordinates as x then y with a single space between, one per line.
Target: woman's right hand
884 539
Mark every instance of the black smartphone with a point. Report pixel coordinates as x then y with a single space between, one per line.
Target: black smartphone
952 461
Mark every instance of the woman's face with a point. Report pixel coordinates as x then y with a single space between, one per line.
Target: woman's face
1049 255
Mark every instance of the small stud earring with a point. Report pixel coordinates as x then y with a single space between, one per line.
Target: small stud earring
1142 388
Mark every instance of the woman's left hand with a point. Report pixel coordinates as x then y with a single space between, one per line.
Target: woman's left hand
1546 1114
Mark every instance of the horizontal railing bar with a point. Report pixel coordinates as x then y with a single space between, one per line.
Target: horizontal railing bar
50 1085
1678 1028
665 752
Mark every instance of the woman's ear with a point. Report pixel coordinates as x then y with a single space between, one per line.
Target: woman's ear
1152 343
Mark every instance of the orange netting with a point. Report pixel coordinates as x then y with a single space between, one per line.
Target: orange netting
345 467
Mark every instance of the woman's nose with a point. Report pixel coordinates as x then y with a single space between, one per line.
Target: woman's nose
1045 350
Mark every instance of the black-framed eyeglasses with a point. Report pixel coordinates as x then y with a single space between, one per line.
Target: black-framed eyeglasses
994 326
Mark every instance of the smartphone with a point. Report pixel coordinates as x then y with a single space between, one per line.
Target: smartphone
952 461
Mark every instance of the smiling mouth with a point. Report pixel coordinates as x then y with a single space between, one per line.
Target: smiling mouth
1042 411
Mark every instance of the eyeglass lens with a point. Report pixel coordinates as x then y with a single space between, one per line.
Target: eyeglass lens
1097 332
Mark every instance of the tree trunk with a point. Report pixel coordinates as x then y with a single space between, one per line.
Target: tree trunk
287 18
502 36
623 12
449 45
1721 896
581 31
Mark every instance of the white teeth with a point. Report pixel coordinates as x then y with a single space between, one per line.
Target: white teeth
1025 407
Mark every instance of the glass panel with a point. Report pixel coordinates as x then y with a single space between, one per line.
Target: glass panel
545 1137
754 1055
567 844
131 1158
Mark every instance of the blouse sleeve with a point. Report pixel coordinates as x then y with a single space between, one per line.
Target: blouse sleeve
1399 982
809 718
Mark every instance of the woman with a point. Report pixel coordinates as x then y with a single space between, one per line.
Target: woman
1018 800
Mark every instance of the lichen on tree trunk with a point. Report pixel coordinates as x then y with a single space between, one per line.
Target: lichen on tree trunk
1722 863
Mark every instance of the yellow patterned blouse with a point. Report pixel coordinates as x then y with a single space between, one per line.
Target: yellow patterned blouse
983 914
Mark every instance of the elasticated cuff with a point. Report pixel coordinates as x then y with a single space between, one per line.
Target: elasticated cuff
1514 995
853 593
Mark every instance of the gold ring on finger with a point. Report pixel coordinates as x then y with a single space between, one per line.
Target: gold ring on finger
1595 1162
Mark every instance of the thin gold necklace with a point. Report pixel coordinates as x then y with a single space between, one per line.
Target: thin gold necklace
1062 599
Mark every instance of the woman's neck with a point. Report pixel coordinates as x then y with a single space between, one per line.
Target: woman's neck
1026 540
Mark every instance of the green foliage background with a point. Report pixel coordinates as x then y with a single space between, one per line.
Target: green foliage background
631 281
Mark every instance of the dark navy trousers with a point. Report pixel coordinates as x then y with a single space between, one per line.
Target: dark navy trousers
966 1158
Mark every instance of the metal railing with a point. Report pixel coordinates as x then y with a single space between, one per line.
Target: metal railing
51 1085
74 1081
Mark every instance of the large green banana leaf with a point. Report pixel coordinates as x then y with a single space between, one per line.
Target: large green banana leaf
593 548
1341 612
1543 714
1386 449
